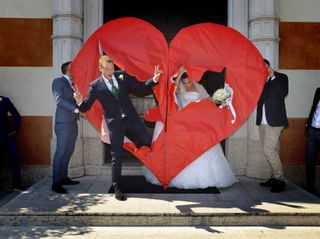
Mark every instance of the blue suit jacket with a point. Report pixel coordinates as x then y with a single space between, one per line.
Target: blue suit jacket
112 106
63 95
5 107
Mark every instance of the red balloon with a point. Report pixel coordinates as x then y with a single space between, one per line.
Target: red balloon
136 46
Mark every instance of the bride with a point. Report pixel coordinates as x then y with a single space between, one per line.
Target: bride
211 169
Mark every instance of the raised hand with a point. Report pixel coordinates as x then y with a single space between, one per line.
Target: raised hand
182 70
157 73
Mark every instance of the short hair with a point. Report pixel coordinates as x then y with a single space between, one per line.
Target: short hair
106 58
184 75
64 67
266 62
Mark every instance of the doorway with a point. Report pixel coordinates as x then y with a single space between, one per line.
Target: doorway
169 17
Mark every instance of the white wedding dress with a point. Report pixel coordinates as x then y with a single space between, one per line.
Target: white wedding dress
211 169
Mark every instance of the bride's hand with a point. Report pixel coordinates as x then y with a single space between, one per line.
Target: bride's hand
182 70
157 73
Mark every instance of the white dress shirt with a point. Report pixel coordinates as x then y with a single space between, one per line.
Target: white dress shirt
69 80
71 84
316 117
107 82
264 118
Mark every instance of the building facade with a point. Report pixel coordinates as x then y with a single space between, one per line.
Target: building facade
38 36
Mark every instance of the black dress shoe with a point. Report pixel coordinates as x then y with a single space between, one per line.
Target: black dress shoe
68 181
278 186
58 189
268 183
119 194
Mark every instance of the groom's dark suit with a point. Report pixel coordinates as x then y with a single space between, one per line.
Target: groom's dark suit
113 106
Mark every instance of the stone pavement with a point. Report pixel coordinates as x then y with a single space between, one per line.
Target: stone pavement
87 211
199 232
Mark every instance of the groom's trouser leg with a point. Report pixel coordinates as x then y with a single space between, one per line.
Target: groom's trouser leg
116 138
270 145
137 132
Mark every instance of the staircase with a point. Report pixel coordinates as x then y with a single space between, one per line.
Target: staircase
88 204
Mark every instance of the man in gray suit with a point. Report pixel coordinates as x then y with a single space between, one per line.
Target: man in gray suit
65 127
272 118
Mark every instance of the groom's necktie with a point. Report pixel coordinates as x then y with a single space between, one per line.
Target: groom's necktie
114 89
115 92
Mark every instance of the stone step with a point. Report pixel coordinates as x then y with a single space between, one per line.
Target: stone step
129 167
89 204
158 219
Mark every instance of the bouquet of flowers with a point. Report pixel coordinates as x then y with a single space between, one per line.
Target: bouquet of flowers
223 98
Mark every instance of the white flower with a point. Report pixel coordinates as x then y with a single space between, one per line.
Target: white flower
223 98
120 77
220 96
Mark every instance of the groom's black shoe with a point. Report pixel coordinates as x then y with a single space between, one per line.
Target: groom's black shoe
268 183
68 181
119 194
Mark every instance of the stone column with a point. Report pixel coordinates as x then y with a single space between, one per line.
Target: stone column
264 34
237 143
67 41
92 147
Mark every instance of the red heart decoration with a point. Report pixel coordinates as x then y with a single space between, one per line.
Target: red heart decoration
137 47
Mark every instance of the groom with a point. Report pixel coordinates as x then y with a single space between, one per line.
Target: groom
111 89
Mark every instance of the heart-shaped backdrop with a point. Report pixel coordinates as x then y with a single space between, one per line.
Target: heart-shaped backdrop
136 46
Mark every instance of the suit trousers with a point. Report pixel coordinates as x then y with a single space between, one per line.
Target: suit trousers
312 148
11 146
66 133
136 132
269 137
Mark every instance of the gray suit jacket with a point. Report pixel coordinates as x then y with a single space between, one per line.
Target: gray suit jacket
63 95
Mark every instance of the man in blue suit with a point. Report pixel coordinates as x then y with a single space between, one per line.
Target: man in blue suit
65 127
111 89
6 137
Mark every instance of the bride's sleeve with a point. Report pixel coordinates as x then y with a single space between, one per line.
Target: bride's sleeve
179 90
